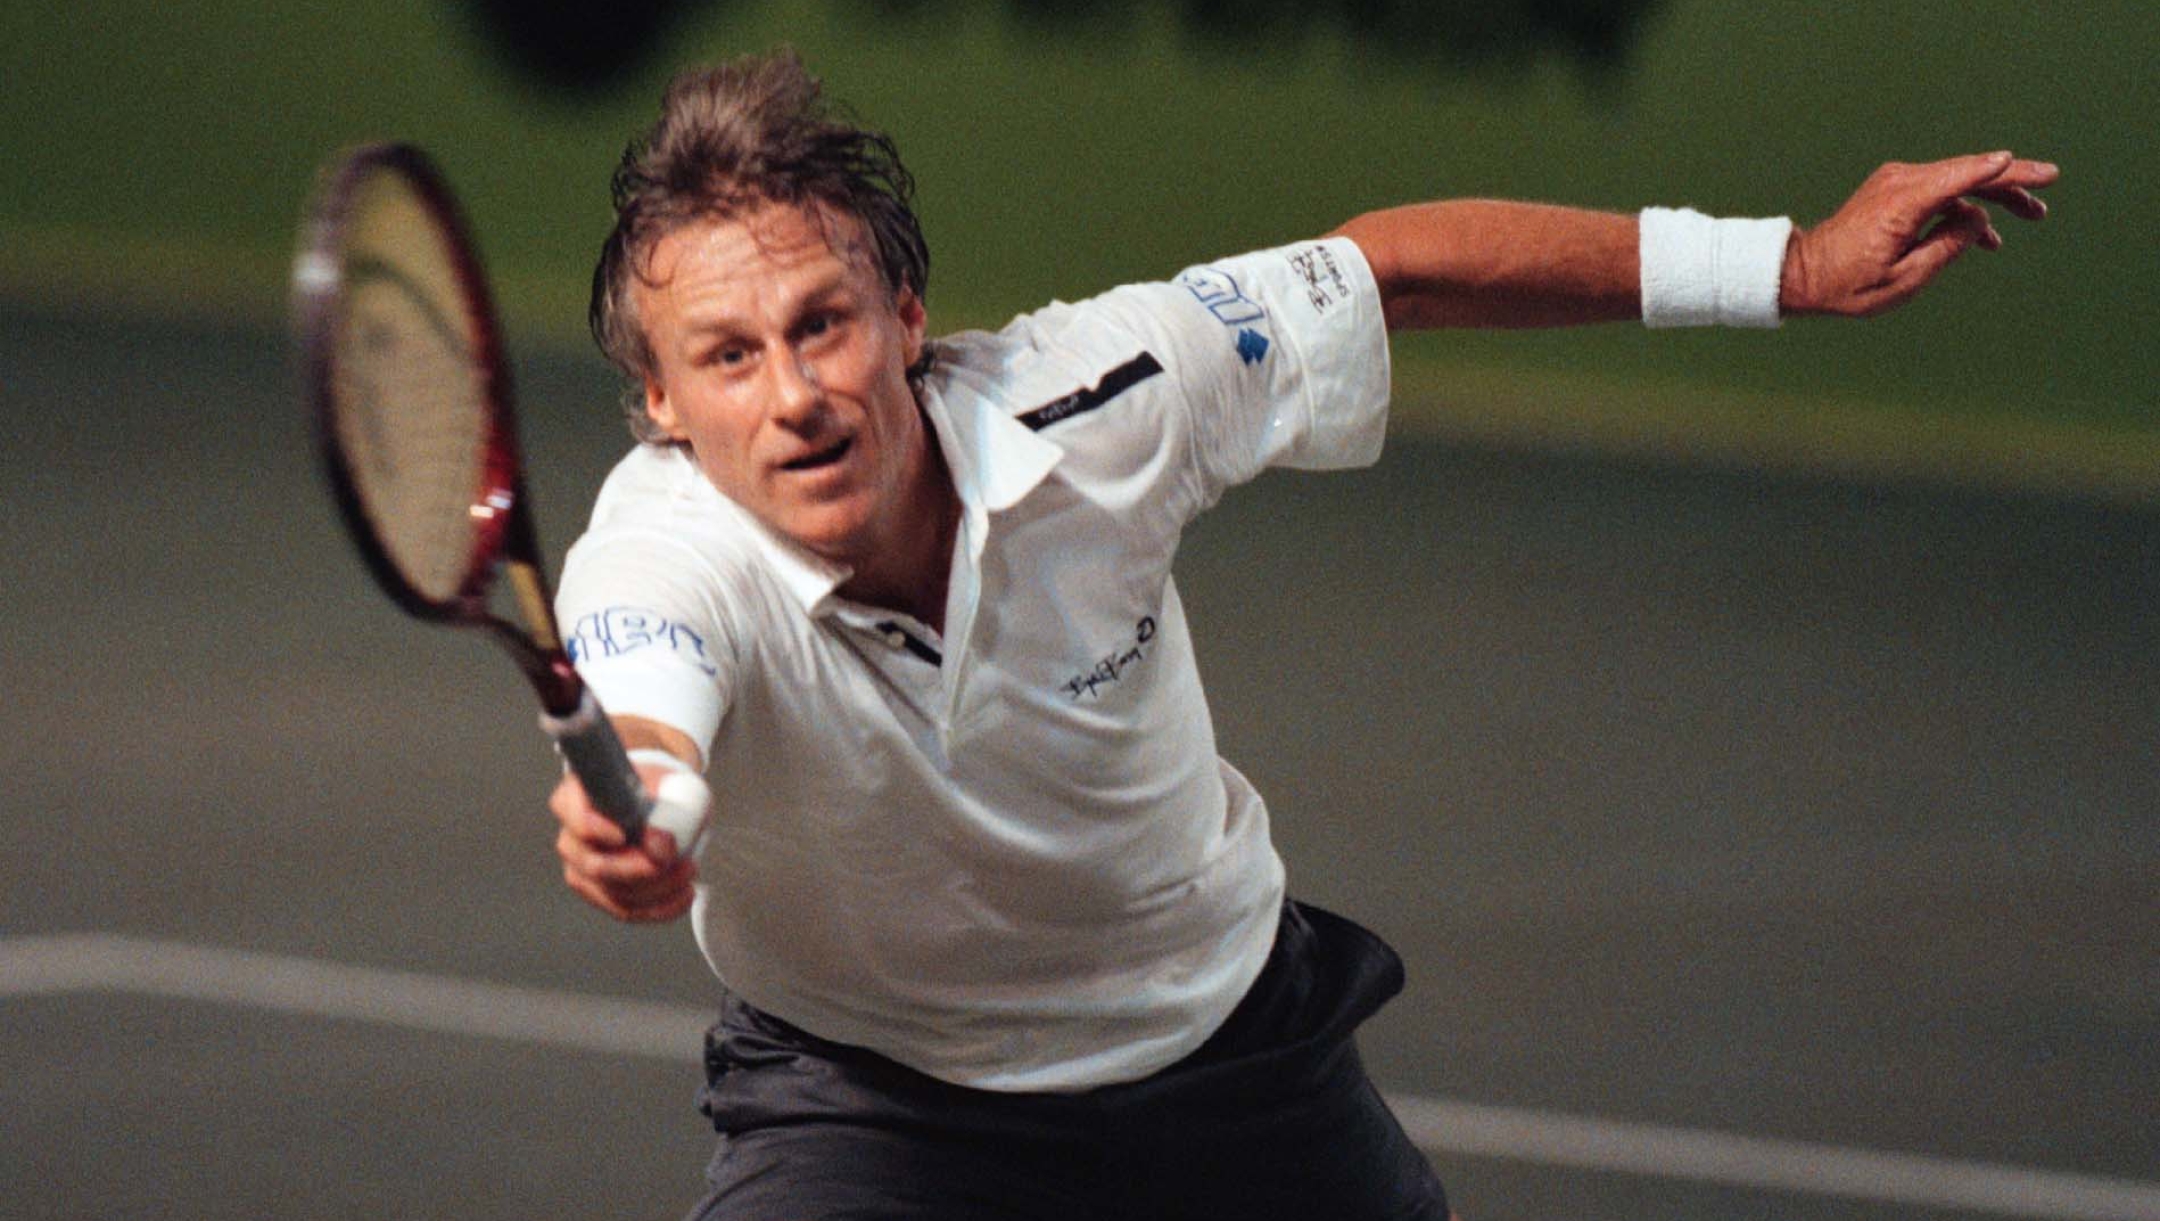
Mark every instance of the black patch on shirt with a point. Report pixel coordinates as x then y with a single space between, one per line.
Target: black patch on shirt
1114 383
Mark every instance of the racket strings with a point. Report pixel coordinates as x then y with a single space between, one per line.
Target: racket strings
412 416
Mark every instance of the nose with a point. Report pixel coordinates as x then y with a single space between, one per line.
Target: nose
797 395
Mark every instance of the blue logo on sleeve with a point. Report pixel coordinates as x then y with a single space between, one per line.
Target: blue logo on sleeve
621 630
1215 289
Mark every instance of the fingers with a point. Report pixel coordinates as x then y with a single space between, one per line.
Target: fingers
641 909
2027 173
628 884
629 869
1962 175
646 883
1963 226
1915 193
649 881
2000 178
2017 201
1970 218
1969 175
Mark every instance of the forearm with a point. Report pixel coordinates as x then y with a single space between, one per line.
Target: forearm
1489 263
638 733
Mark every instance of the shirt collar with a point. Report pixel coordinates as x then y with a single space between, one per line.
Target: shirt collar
810 577
995 459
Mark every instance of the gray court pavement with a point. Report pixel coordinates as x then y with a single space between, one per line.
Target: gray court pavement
1758 805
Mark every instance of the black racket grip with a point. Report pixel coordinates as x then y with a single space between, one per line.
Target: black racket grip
588 743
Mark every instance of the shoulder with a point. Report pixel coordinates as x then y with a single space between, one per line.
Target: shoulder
658 530
651 484
657 492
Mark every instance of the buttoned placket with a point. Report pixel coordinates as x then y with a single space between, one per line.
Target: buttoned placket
961 601
937 664
895 632
914 638
905 656
993 462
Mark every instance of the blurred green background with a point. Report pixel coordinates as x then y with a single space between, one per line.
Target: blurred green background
158 154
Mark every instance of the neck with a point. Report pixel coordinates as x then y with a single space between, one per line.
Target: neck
913 570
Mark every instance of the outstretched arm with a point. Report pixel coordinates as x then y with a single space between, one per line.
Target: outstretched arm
1487 263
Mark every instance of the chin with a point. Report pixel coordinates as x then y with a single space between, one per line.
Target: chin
836 534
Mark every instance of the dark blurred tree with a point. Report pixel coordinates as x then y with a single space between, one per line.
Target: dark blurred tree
574 46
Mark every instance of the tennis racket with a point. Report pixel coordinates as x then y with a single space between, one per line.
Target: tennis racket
405 376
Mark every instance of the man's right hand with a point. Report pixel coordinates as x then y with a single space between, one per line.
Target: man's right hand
650 881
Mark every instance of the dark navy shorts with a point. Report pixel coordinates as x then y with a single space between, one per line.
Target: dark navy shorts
1273 1117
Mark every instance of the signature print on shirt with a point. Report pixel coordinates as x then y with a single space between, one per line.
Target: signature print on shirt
1114 664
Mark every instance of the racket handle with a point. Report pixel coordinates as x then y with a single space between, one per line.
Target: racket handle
588 742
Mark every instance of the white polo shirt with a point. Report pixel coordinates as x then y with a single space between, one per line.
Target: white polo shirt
1007 856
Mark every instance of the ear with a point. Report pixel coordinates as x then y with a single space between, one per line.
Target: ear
661 411
914 319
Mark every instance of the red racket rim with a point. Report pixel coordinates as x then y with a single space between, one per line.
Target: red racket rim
319 284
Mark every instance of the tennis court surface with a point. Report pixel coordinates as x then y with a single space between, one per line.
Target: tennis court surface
1758 845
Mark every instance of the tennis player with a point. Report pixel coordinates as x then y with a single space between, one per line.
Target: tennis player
999 933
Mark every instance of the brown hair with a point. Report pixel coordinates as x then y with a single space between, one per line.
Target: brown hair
751 131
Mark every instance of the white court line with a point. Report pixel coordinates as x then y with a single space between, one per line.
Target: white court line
95 962
1473 1130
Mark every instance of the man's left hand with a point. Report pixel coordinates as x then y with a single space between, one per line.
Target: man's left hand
1901 228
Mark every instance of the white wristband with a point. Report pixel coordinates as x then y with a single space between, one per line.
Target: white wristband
680 800
1698 271
655 757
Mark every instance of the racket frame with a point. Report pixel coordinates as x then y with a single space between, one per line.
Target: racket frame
503 532
504 540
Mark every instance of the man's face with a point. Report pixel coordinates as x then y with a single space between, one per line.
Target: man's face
781 359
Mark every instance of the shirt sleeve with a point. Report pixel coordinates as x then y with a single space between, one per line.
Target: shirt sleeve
1281 356
640 628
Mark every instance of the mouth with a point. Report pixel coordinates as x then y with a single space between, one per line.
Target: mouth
819 459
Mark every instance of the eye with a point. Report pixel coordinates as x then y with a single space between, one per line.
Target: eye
726 355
